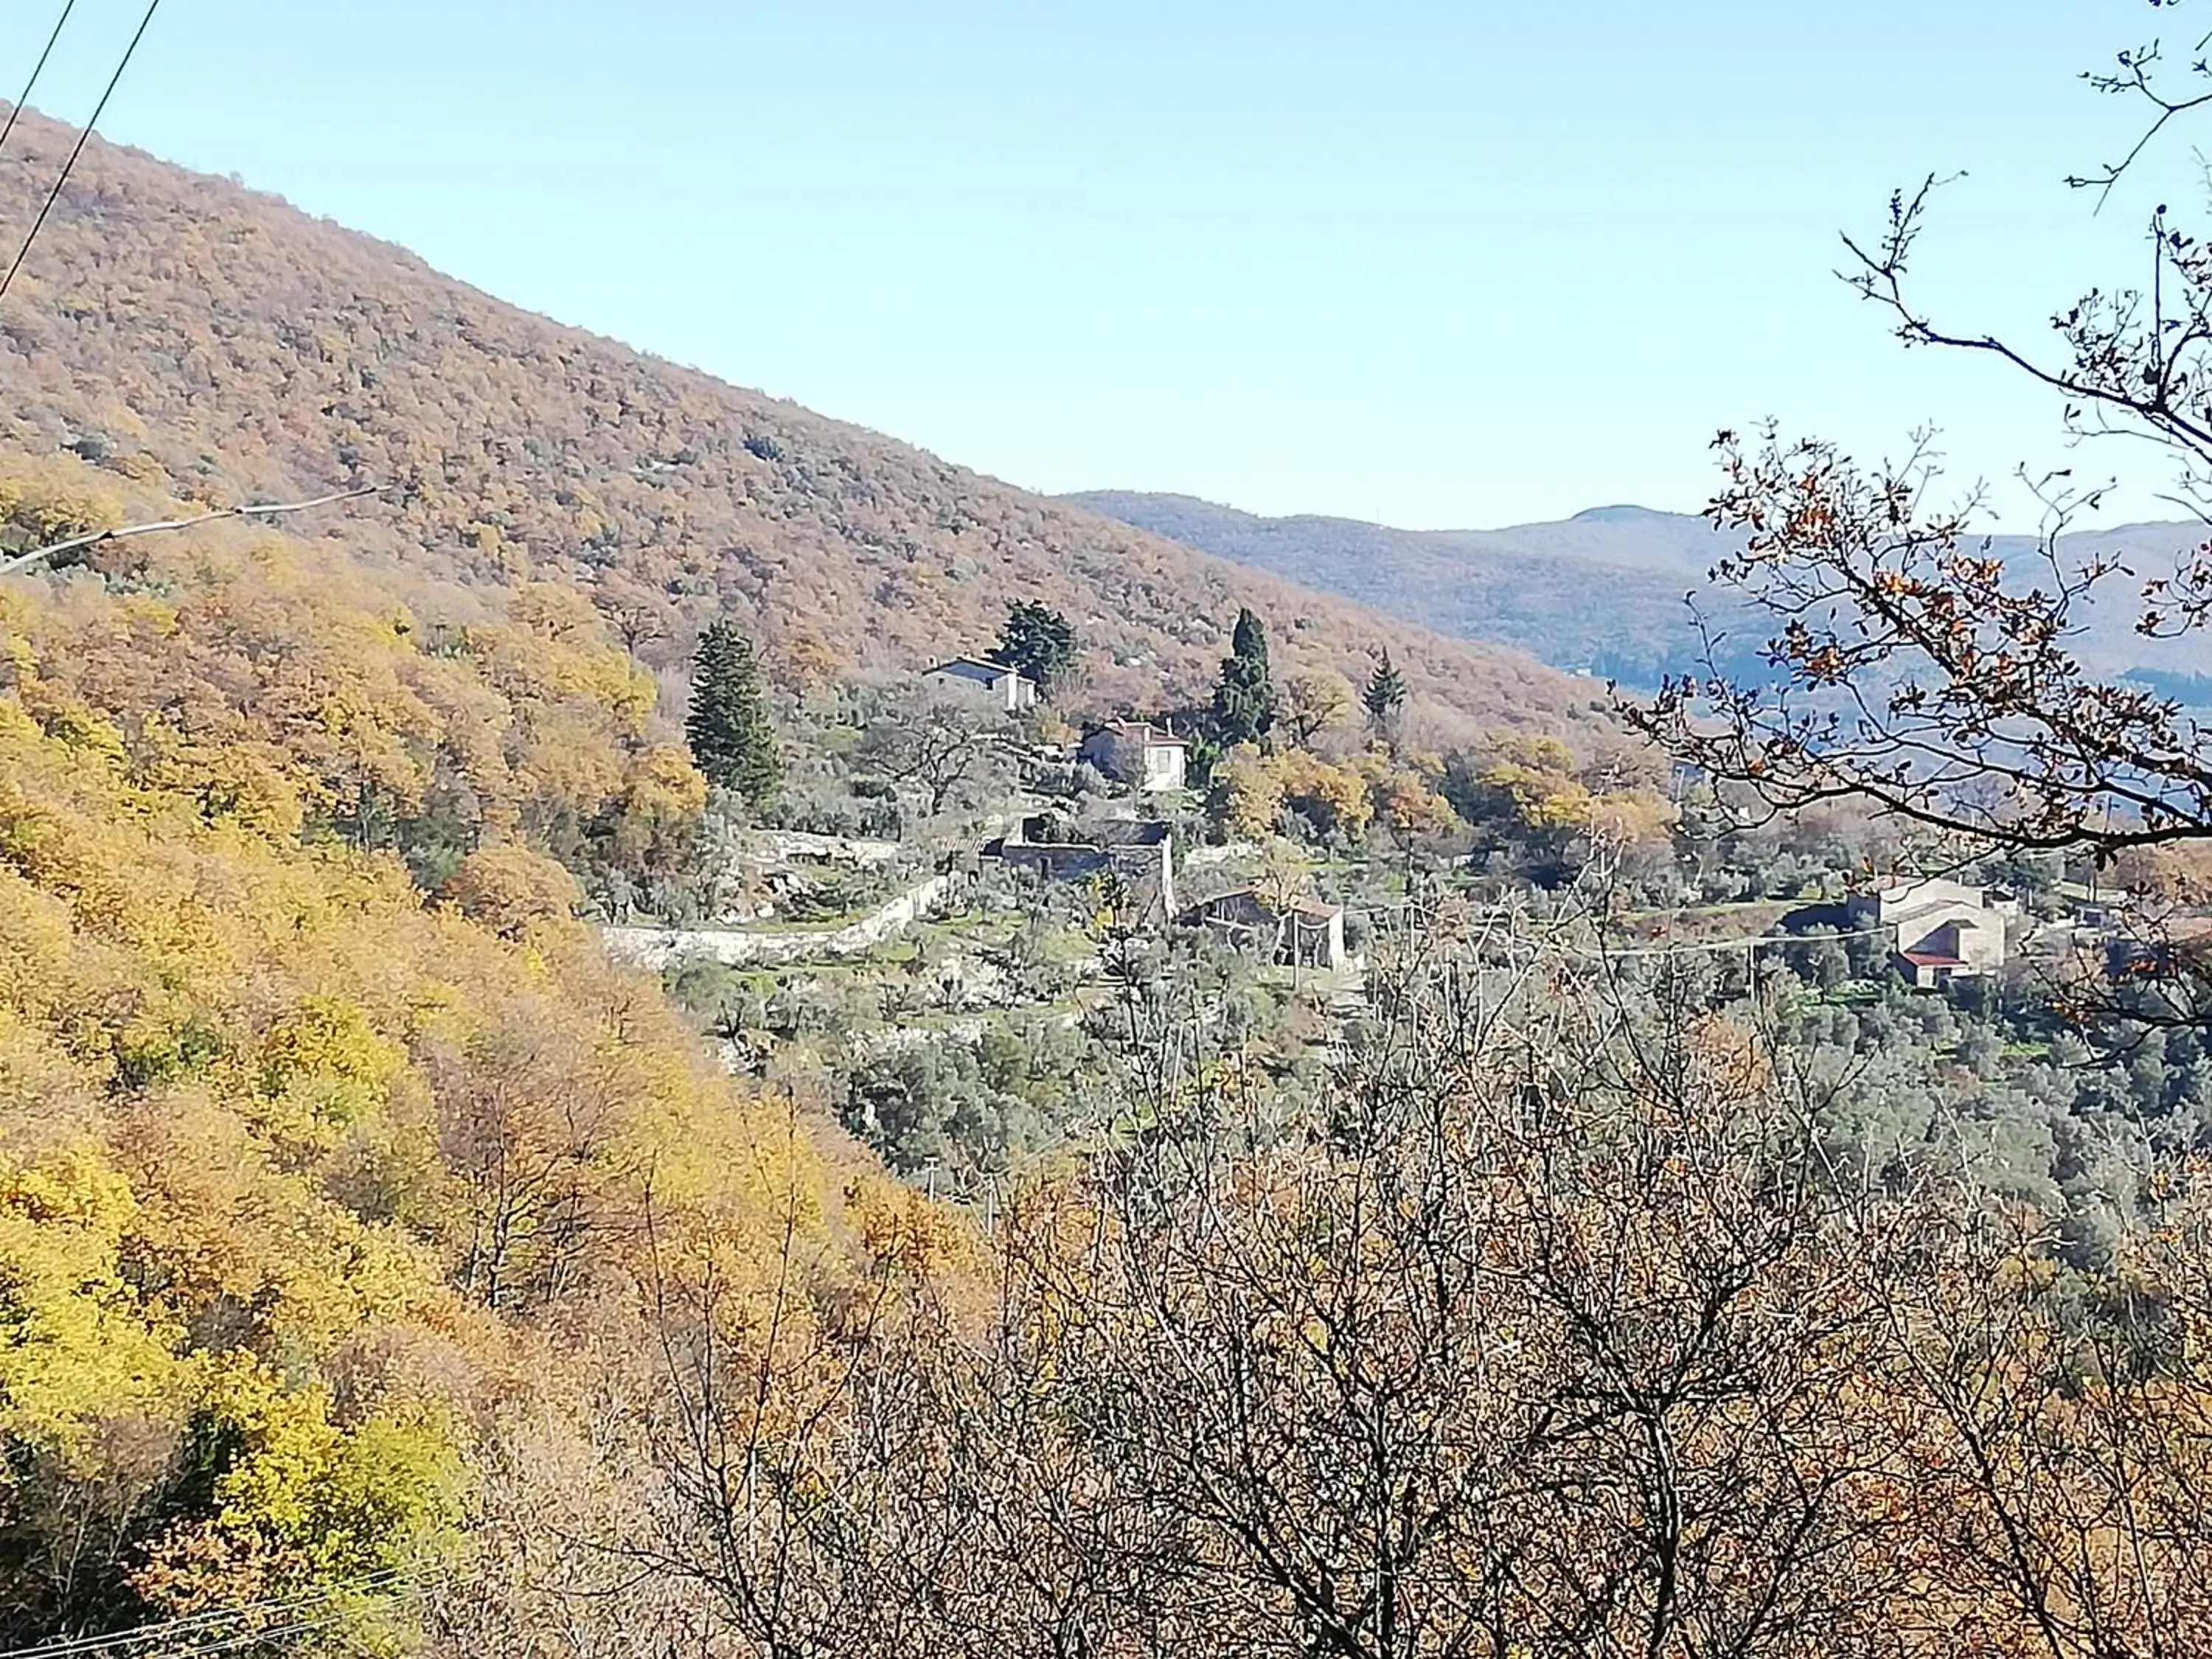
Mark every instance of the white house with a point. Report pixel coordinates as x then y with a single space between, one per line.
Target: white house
1137 753
1008 688
1940 930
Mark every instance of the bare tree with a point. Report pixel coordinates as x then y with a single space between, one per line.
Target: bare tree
1913 669
1909 665
1547 1327
945 746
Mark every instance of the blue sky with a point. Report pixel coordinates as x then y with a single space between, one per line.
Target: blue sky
1435 263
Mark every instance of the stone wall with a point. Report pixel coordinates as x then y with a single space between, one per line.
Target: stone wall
740 947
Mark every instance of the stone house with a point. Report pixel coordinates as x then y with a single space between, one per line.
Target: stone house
1305 932
1137 753
1141 853
1008 689
1939 930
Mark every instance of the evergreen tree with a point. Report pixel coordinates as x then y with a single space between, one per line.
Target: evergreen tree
1040 642
1244 701
1386 691
732 738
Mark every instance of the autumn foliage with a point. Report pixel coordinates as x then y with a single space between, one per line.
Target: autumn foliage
1551 1325
314 1167
180 331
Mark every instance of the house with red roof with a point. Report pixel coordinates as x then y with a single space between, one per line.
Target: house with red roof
1940 930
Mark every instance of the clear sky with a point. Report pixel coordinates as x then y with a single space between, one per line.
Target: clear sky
1433 262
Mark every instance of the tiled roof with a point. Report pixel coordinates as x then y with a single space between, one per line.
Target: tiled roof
1312 909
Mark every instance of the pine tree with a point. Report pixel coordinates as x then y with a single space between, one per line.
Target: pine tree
732 738
1386 691
1244 701
1040 642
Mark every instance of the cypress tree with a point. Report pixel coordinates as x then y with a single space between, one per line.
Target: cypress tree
1244 701
1386 691
732 738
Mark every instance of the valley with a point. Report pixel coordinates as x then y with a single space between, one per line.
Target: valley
638 1023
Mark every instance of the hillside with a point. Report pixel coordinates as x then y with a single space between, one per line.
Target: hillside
189 333
1602 592
312 1180
345 1187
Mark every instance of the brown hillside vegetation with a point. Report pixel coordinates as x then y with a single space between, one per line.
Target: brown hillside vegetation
310 1183
333 1181
192 334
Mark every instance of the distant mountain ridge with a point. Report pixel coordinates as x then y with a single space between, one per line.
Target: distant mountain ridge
1607 591
1599 593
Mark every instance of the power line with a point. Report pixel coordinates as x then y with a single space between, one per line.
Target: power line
37 70
69 166
210 1626
252 510
225 1628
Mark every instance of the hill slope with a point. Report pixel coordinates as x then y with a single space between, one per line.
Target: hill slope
217 343
312 1186
335 1160
1602 592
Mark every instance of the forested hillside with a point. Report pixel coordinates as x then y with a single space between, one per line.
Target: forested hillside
178 328
1601 593
345 1189
1390 1164
319 1172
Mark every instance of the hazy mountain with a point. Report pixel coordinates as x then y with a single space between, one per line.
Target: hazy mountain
1601 593
1605 591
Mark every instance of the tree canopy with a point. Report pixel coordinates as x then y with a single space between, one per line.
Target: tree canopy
1040 642
324 1125
1245 697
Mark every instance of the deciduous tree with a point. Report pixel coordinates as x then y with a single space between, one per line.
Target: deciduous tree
1912 667
947 744
1312 702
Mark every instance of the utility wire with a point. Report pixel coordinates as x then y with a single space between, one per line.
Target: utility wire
305 1625
262 1636
69 166
209 1625
37 70
216 1631
262 510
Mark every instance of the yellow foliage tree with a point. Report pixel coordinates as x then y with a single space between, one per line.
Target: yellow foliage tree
1332 798
303 1170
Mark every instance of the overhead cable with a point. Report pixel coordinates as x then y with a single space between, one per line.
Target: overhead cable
221 1629
37 70
9 567
69 166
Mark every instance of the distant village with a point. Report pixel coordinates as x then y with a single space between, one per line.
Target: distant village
1939 932
1296 932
